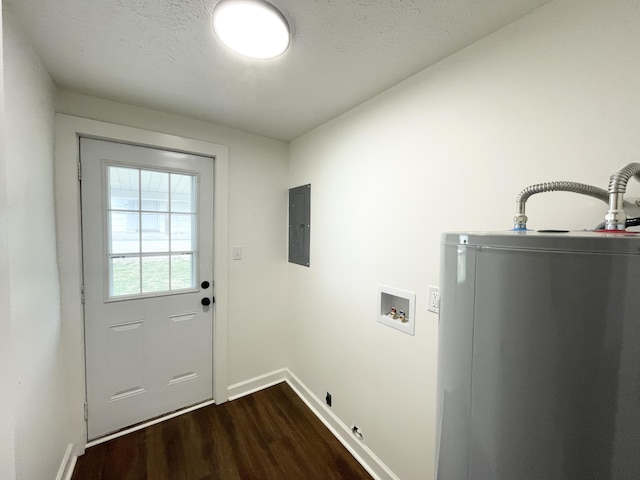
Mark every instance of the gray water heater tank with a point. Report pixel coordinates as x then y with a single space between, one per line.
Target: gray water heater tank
539 357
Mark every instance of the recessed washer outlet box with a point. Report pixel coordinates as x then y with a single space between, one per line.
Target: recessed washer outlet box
396 308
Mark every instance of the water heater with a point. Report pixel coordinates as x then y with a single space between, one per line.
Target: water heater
539 357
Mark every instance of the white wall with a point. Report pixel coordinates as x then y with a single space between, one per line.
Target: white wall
40 403
7 437
257 221
554 96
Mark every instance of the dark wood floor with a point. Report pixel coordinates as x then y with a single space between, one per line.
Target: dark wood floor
270 435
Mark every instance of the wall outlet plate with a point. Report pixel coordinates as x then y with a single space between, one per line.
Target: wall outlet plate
434 299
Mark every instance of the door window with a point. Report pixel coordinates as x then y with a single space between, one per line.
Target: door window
152 231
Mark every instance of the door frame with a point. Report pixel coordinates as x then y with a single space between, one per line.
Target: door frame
68 129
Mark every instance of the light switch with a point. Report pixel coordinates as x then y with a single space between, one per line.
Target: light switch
237 252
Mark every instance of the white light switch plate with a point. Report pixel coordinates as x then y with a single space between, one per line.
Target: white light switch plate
434 299
236 252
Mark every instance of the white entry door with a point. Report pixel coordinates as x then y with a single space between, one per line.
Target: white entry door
147 236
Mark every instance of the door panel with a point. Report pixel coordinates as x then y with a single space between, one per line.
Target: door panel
147 221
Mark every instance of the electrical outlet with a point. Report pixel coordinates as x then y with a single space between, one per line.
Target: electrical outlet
434 299
328 399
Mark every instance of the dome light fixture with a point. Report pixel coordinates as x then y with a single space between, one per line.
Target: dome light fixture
253 28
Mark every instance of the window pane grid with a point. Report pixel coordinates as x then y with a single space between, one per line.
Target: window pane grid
152 223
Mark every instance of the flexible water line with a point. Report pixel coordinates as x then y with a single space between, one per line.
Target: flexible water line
520 220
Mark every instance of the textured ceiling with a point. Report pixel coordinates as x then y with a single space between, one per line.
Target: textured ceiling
162 54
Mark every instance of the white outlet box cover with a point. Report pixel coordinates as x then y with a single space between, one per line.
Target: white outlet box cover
405 300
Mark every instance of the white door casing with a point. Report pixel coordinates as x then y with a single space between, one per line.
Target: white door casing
68 129
148 338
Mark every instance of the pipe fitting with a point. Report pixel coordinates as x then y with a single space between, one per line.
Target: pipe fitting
520 222
615 220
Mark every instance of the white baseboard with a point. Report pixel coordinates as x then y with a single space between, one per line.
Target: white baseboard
376 468
255 384
68 464
363 454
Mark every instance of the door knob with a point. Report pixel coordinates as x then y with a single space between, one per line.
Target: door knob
205 301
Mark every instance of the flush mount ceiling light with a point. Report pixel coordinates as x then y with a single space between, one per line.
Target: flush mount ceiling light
253 28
